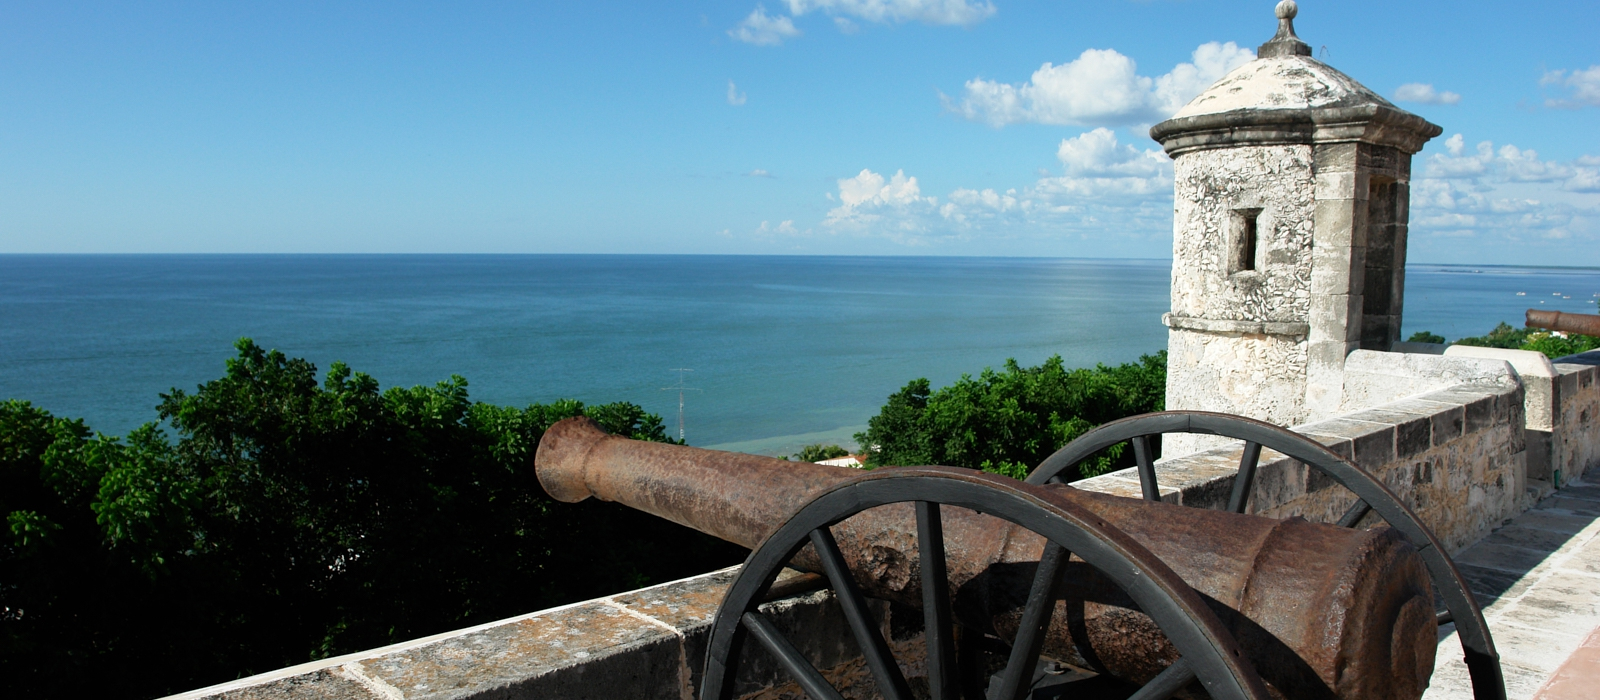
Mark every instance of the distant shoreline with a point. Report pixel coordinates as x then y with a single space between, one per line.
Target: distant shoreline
781 445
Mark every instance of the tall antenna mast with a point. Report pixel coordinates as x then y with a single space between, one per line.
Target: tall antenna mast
680 388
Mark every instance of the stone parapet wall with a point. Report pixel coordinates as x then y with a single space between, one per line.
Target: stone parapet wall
1575 418
1454 456
647 643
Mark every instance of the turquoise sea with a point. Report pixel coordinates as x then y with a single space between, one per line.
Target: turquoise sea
784 350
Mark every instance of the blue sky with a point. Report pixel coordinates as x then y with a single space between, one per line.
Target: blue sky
927 127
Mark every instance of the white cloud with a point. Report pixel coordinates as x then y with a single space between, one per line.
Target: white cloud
1583 83
1506 164
1494 195
763 30
1506 193
957 12
758 172
1425 94
893 207
786 228
1097 153
735 97
1105 187
1100 87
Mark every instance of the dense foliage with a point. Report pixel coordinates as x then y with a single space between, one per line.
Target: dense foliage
1555 345
1009 421
819 452
288 520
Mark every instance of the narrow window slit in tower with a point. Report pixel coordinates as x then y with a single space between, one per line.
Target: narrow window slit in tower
1246 239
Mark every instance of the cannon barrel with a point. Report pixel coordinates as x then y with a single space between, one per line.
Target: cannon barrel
1323 611
1583 324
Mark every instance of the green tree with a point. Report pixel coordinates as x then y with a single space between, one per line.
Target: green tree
1425 337
1008 421
1556 346
1503 336
291 519
1553 345
819 452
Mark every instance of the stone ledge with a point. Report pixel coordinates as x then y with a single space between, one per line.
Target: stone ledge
1430 450
1212 325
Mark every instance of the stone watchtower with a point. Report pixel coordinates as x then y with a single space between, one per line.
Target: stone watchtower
1289 233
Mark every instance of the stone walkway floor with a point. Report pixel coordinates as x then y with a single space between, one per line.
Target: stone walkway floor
1538 579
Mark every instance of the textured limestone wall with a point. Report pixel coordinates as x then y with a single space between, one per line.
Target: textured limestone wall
1258 375
1455 456
1237 336
1209 187
1575 417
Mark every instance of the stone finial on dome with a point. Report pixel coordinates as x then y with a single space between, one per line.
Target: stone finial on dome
1285 43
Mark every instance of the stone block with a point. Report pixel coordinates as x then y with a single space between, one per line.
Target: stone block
323 684
1340 185
1335 317
1539 408
1566 385
1372 442
688 606
1538 447
1125 483
1279 480
1413 434
1335 157
587 650
1337 227
1332 273
1205 479
682 605
1448 425
1339 444
1477 406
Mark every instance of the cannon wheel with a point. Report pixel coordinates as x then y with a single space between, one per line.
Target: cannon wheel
1483 662
1208 651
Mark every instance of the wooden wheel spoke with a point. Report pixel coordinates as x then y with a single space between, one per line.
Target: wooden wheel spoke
1147 468
1245 482
789 657
1166 683
1035 621
1358 510
936 622
891 682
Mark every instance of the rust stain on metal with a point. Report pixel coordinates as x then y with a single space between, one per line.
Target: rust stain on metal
1323 611
1584 324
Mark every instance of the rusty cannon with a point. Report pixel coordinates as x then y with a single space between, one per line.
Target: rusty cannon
1582 324
1177 600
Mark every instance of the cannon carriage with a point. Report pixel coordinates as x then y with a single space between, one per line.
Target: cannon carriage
1018 581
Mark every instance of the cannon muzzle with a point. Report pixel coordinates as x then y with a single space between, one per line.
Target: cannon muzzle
1582 324
1323 611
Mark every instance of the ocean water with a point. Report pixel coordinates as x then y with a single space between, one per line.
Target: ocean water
784 351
